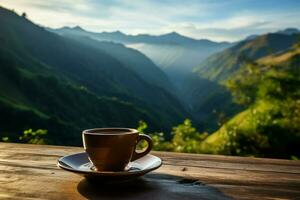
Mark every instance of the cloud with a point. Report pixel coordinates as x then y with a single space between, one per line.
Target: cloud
237 27
212 19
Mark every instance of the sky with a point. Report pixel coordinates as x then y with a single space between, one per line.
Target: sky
218 20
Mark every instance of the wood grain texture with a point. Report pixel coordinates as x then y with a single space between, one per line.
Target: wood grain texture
30 172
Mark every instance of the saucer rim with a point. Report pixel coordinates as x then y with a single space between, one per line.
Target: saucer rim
106 173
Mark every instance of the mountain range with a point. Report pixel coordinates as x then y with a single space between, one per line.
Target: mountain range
175 54
119 37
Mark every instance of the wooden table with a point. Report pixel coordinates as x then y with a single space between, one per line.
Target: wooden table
29 172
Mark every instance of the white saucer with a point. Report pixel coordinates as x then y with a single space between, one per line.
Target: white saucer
80 164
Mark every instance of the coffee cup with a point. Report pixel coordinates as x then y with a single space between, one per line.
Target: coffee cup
111 149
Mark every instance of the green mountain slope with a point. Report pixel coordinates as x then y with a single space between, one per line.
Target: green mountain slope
206 86
130 58
32 100
222 65
270 127
59 84
210 102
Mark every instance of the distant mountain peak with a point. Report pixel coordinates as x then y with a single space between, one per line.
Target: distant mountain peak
289 31
75 28
64 27
251 37
118 33
115 33
174 34
78 28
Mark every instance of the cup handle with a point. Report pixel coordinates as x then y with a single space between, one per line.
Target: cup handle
148 139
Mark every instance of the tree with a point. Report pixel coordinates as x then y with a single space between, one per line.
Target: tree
34 137
24 15
243 86
187 138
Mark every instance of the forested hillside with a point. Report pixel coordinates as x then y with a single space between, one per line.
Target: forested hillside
270 126
205 90
65 86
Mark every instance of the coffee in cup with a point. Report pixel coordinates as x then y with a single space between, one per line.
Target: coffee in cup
111 149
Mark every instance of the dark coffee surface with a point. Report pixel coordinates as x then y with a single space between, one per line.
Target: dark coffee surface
114 132
111 131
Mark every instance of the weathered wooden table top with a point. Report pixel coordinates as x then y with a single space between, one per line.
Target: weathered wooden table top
30 172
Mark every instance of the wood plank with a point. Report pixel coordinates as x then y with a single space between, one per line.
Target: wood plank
63 150
179 159
30 172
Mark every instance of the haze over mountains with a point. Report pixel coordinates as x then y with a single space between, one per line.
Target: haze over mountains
176 54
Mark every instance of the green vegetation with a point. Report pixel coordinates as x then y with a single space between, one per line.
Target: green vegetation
210 102
33 137
5 139
30 137
185 138
270 127
206 92
221 66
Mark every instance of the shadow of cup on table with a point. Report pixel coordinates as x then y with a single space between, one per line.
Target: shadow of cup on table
151 186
